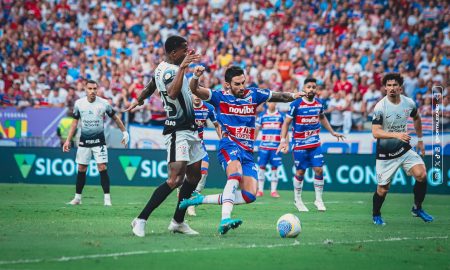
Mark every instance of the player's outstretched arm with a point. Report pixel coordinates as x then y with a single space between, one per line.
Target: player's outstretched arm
418 128
284 144
327 126
73 127
126 136
149 89
285 97
200 91
379 133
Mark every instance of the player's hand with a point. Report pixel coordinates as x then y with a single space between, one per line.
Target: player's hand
190 58
133 105
198 71
338 136
298 95
125 138
420 149
403 137
66 146
283 147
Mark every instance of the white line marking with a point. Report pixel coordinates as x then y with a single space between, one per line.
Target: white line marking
177 250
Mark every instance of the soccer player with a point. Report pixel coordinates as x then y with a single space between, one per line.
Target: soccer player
236 110
91 111
184 148
203 112
389 127
269 122
307 114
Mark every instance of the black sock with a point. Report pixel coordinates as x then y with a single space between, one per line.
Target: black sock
377 203
104 180
81 181
159 195
185 193
420 189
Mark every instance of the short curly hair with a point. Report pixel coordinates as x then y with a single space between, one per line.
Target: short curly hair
393 76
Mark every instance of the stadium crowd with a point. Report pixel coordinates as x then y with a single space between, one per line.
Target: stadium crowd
48 48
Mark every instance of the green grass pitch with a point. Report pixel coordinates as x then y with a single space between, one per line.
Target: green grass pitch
39 231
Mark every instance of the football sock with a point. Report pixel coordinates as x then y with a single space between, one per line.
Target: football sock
202 182
298 186
377 203
229 194
159 195
274 180
242 197
104 180
185 193
261 178
107 196
81 181
318 186
77 196
420 189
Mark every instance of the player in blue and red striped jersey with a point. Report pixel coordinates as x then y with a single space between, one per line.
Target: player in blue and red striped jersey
308 116
269 122
236 113
203 111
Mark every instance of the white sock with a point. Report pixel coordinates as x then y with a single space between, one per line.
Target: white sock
107 196
201 183
318 187
217 199
77 196
298 186
274 180
228 197
261 179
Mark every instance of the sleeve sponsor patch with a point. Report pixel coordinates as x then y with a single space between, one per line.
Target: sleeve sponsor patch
168 76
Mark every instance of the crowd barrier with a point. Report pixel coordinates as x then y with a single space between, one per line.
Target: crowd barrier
133 167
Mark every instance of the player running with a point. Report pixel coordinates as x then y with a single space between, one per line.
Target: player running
203 112
307 114
236 110
91 111
184 148
269 122
389 127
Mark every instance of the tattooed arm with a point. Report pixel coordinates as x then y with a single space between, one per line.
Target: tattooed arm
285 97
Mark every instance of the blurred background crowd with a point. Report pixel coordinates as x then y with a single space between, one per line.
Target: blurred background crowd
49 47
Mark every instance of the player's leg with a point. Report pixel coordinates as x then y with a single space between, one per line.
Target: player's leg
318 188
263 158
275 161
177 158
386 170
414 165
301 162
100 154
201 183
83 157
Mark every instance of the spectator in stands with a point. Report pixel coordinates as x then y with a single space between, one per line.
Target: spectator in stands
336 108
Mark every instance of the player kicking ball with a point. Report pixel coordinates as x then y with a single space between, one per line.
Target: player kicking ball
91 111
269 122
236 110
307 114
389 127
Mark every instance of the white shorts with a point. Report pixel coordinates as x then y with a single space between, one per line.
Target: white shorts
184 145
84 154
386 169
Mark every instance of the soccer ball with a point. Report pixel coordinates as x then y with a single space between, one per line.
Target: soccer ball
288 226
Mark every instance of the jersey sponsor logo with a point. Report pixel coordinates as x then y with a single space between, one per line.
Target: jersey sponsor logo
168 76
271 125
396 153
306 134
271 138
244 133
92 141
242 110
200 122
307 120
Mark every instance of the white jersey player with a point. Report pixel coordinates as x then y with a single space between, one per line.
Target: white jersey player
393 149
90 111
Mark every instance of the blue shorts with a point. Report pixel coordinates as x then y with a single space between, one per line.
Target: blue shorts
206 158
266 156
307 158
230 151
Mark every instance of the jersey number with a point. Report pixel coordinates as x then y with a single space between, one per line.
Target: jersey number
170 108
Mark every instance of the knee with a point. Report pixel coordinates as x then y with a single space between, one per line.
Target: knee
82 168
175 182
101 167
382 190
318 171
421 177
248 196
